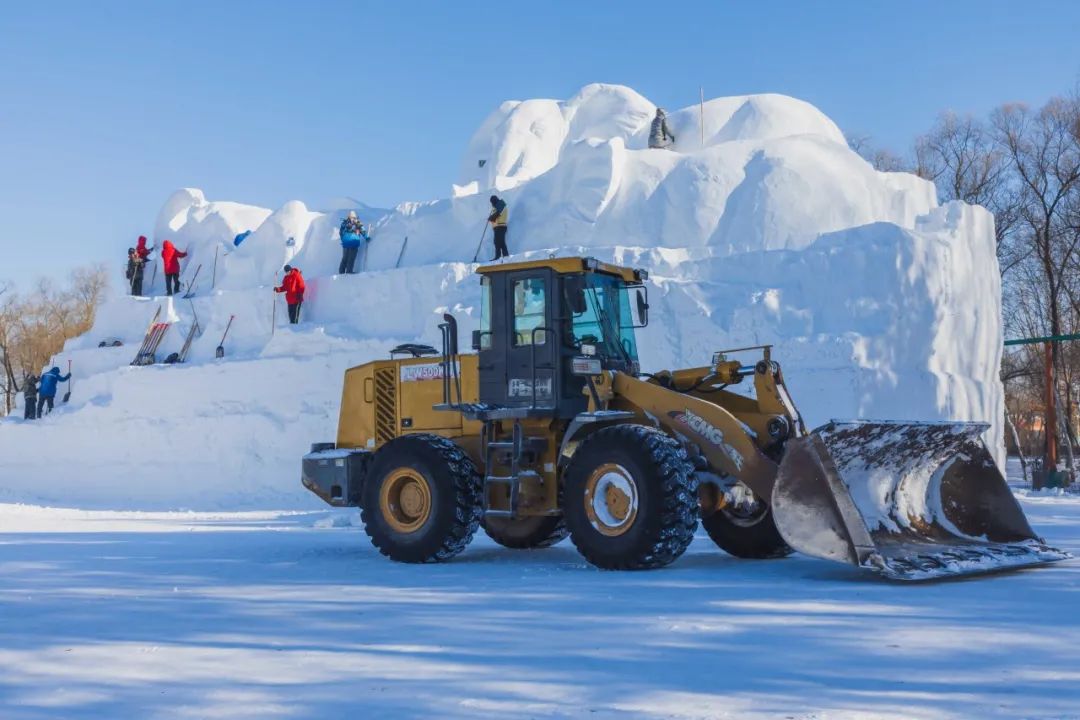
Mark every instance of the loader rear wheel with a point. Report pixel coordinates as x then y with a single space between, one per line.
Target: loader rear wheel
527 532
421 499
629 498
744 527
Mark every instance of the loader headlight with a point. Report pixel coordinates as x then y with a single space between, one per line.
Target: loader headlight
587 349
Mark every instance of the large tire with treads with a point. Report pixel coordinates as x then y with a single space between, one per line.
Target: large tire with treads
421 499
752 538
630 498
526 532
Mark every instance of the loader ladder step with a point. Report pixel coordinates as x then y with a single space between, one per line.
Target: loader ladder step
516 448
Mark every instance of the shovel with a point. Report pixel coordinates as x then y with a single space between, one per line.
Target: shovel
220 351
480 245
67 395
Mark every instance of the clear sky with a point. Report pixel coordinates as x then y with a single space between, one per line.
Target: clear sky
106 107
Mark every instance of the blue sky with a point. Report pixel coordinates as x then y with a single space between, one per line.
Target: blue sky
107 107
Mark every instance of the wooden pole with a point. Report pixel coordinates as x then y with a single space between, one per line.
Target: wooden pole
1051 458
702 89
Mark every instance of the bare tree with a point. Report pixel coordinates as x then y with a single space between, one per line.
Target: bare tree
882 159
961 156
33 328
1044 157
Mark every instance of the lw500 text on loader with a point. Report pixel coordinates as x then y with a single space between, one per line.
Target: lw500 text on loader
550 429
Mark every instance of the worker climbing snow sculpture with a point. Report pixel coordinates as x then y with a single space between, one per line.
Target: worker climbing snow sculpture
138 270
352 234
30 396
498 219
293 287
47 390
660 136
170 257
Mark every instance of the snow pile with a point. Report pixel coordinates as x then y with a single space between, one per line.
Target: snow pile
881 304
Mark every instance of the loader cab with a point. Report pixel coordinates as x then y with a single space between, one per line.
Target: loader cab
537 317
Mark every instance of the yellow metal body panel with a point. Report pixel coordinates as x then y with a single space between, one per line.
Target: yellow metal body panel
720 435
564 266
385 399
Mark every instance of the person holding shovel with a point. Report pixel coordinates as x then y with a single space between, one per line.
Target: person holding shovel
47 389
498 218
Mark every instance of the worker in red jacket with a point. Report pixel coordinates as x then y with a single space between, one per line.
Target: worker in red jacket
170 256
137 265
293 287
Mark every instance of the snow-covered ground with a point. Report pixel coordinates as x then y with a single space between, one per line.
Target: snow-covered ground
295 615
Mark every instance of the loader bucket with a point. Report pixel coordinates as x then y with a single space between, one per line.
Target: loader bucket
912 501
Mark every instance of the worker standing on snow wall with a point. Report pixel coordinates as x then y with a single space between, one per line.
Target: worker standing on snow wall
352 232
47 389
498 218
30 396
132 261
660 136
142 255
293 287
170 257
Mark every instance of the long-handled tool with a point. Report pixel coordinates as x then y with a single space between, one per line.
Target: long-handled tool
401 254
220 352
273 316
191 286
67 395
480 246
365 246
213 278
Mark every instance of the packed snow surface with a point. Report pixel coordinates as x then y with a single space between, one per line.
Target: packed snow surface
880 303
295 615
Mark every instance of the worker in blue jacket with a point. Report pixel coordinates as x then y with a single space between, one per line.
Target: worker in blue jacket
352 233
47 389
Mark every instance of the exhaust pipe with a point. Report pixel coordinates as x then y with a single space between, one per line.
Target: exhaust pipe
911 501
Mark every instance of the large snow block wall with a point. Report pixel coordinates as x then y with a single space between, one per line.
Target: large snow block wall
880 303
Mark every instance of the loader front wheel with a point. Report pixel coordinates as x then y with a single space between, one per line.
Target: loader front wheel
629 498
527 532
421 499
744 526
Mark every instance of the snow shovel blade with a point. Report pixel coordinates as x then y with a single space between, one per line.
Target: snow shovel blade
912 501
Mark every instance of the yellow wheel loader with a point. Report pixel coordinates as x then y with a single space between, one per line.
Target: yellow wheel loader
549 429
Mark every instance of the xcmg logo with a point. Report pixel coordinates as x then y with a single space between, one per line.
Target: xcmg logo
711 433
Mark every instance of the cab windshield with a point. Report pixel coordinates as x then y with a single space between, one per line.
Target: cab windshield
607 320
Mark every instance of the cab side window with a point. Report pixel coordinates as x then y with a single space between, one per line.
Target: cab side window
485 313
530 308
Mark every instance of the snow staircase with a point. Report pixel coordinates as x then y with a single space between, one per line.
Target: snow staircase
509 454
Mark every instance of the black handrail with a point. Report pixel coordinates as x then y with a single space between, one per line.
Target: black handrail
450 352
444 329
544 329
